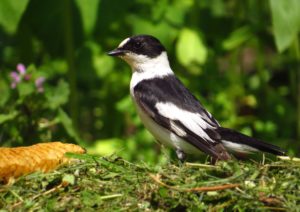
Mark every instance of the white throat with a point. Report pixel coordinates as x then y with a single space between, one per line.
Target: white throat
147 68
142 63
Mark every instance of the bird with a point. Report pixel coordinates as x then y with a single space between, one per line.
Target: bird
171 113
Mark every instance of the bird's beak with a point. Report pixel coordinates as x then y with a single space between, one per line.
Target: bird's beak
116 52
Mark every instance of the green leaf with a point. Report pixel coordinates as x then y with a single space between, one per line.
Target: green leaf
218 8
175 13
190 48
286 22
89 11
100 61
162 30
106 146
5 92
59 95
68 125
8 117
11 13
69 178
25 89
89 198
237 38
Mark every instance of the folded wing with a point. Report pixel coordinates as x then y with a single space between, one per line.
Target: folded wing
172 106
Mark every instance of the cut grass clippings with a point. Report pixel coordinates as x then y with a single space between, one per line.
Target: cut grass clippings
110 184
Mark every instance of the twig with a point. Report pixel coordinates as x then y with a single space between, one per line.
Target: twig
156 178
111 196
223 205
270 200
16 195
288 158
282 165
201 165
38 195
214 188
273 208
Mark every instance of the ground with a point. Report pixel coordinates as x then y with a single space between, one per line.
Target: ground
110 184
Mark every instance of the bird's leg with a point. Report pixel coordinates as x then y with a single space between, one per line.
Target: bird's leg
213 160
180 155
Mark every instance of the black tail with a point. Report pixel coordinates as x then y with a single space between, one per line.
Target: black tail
239 138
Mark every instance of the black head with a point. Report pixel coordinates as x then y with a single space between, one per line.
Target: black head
141 45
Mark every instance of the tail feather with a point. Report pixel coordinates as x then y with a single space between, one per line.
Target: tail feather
239 138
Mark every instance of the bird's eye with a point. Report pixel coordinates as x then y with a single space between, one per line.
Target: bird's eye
137 44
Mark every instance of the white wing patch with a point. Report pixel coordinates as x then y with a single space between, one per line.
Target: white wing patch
177 129
192 121
242 148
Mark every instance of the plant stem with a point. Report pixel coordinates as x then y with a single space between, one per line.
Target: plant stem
295 49
297 54
69 52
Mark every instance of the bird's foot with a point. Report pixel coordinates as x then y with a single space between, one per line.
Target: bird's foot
181 155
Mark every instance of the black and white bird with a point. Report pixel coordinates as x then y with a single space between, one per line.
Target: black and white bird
170 111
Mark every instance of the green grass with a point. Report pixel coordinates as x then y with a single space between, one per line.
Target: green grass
113 184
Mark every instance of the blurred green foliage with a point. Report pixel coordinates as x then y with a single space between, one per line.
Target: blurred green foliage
225 52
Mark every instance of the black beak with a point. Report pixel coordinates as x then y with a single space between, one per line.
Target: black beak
116 52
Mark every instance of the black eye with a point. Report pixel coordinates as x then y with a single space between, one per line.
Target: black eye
137 45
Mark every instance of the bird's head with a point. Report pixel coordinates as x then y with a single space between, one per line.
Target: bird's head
141 52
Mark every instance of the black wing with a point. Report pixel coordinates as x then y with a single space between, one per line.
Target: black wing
239 138
170 89
198 127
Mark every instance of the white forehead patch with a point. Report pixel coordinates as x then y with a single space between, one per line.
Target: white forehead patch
123 42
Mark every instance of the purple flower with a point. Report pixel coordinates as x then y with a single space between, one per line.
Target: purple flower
15 76
39 84
15 79
20 75
21 68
